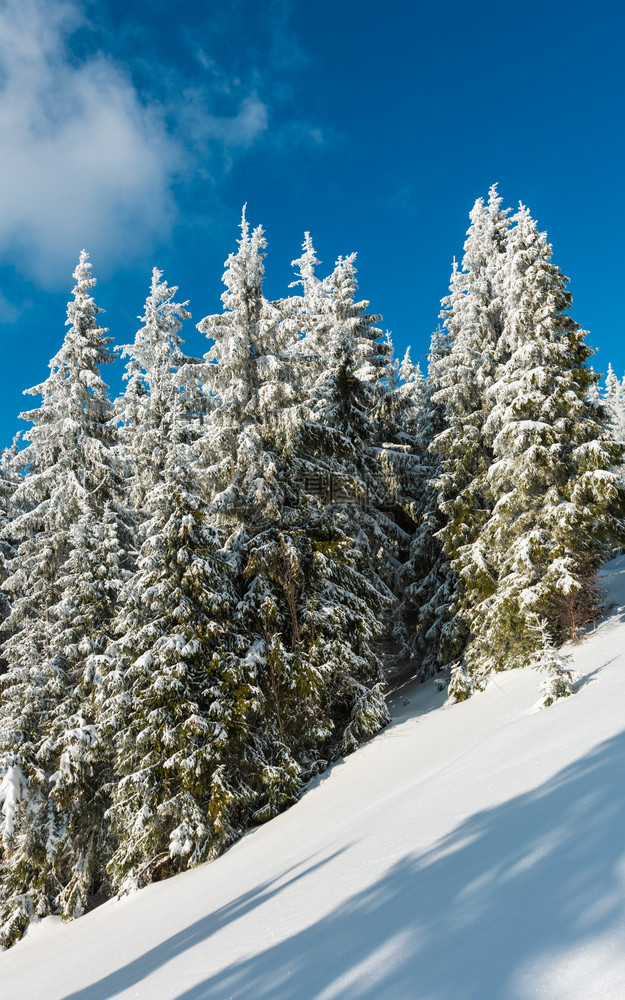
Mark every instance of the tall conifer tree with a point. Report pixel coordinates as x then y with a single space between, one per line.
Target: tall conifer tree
613 400
554 503
71 475
301 591
428 578
473 321
162 395
173 695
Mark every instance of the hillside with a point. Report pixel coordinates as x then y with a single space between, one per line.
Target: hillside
469 852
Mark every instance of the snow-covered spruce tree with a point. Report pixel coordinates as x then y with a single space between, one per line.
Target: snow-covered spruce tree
357 421
162 395
174 696
552 508
305 605
558 682
89 584
613 400
461 686
306 313
344 394
364 469
428 579
396 424
349 402
398 498
247 370
70 475
473 321
357 425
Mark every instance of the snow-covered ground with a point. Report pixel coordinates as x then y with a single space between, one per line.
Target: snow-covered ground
469 852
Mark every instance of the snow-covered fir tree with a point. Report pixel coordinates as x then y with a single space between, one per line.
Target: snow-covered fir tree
521 501
612 398
173 694
396 418
555 503
428 579
306 313
70 476
558 682
89 586
308 609
357 421
545 507
163 393
473 322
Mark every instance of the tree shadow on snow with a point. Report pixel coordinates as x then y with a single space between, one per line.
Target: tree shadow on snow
510 886
202 930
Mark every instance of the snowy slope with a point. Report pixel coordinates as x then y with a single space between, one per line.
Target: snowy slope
469 852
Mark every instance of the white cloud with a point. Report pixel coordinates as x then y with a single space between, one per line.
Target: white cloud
9 312
84 161
205 129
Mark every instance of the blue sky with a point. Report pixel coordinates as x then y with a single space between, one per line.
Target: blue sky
138 130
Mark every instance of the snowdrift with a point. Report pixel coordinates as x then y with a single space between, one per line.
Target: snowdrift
469 852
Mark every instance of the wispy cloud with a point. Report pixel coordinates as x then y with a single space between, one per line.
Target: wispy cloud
107 151
9 312
85 159
82 160
203 129
402 198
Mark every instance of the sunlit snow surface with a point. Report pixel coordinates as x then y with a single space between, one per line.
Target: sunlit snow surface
469 852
